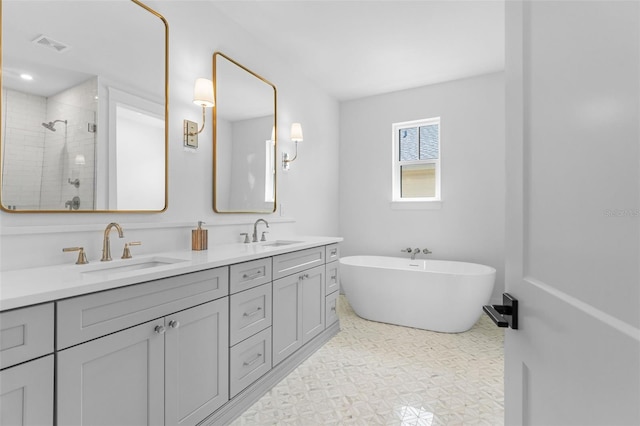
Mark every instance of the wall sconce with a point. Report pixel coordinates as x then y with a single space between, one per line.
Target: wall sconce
296 136
203 96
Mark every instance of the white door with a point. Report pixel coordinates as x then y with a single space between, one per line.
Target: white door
573 231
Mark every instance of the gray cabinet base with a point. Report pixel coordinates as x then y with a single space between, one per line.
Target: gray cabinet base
245 399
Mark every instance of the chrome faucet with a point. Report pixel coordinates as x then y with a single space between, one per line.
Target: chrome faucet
106 244
413 253
255 229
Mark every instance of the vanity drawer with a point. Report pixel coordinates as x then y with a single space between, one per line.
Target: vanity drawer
331 306
332 252
332 277
25 334
290 263
88 317
243 276
249 312
249 360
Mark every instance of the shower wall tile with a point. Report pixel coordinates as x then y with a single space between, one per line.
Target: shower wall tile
22 148
77 106
40 161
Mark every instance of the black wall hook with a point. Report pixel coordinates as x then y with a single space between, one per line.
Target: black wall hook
505 315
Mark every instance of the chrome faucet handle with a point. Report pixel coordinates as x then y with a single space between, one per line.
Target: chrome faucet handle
416 250
246 237
82 257
264 238
407 250
126 253
426 251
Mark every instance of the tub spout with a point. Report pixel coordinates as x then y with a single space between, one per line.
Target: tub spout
413 254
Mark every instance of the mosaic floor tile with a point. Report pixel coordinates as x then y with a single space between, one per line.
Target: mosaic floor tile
381 374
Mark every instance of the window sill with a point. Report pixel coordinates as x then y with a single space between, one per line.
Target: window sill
416 205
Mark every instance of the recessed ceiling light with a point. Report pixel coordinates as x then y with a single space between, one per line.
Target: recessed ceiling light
26 77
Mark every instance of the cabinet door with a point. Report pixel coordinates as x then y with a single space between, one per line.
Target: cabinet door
287 322
312 303
25 333
26 393
197 361
115 380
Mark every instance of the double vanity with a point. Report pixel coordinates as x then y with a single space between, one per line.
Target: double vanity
179 338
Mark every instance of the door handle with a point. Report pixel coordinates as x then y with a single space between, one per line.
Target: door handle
505 315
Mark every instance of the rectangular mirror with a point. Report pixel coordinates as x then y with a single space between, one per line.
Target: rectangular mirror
244 141
83 107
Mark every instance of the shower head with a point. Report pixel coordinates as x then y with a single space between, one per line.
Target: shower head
50 125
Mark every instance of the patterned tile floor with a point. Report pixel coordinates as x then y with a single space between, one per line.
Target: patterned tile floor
380 374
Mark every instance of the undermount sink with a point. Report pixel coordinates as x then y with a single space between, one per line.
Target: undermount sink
279 243
129 265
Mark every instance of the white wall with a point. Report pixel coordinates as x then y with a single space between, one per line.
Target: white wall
308 192
470 224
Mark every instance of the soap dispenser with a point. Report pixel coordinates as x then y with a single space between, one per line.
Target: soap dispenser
199 237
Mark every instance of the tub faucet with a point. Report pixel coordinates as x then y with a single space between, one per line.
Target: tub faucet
106 244
255 229
412 252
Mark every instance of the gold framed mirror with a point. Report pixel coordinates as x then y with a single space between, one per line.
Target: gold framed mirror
84 107
244 139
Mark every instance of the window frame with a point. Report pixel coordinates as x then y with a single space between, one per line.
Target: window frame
397 163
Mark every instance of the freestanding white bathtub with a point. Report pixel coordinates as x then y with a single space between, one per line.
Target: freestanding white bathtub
435 295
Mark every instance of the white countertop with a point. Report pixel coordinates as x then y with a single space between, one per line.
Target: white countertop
23 287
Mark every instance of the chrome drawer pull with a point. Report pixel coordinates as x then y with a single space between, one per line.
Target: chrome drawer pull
250 314
303 276
333 309
252 276
253 361
334 252
334 277
160 329
174 323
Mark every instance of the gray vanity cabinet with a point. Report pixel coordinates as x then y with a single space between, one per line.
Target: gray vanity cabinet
148 354
298 311
169 371
26 379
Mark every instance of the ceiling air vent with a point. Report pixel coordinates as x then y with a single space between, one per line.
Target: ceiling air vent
45 41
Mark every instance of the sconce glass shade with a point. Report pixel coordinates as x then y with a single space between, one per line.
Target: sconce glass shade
296 132
79 160
203 93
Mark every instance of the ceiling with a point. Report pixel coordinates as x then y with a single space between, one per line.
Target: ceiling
354 48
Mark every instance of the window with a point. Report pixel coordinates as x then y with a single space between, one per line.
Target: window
416 160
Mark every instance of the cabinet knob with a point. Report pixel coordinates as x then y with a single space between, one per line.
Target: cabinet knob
174 323
160 329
